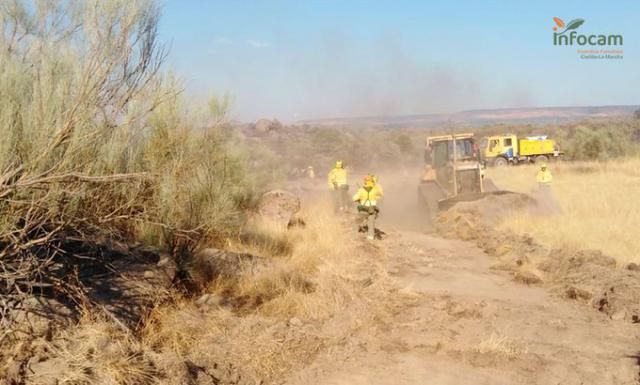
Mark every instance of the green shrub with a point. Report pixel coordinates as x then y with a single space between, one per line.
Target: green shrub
97 145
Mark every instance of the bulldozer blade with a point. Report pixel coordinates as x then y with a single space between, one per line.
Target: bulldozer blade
445 204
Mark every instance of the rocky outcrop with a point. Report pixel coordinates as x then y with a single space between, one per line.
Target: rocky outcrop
265 125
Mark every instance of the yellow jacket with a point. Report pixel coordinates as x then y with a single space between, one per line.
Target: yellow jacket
370 197
337 177
544 177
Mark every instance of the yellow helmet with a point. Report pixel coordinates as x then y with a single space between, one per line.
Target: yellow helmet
369 181
543 166
339 164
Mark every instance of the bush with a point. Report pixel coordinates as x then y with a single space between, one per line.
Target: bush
96 144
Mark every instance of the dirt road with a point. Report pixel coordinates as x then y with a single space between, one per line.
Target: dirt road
462 323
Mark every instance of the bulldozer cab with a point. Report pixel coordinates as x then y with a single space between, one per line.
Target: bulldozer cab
454 164
453 171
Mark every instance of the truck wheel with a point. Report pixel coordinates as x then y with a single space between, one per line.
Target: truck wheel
500 162
541 159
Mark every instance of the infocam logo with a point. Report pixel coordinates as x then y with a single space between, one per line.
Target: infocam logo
569 36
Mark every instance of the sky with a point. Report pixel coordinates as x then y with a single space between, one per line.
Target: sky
312 59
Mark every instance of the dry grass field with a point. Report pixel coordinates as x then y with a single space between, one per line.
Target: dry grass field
599 202
274 317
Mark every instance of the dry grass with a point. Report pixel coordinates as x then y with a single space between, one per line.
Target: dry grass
321 275
289 309
599 201
96 352
502 345
324 289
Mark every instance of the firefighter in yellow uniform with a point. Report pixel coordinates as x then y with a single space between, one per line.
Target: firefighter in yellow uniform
337 180
311 174
545 200
367 198
544 177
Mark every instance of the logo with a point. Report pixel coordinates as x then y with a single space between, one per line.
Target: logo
573 24
566 34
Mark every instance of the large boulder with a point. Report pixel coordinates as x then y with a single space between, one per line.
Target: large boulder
279 206
265 125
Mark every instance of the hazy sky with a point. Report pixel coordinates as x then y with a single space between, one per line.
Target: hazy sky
311 59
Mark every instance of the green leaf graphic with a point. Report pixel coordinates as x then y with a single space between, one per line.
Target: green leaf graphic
573 24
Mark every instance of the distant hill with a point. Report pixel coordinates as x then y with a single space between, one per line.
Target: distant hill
476 118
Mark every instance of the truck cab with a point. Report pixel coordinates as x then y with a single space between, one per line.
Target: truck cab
501 149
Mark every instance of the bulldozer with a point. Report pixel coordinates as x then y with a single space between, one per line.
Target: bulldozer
454 172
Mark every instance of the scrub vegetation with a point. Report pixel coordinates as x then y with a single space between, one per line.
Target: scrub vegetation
96 143
597 208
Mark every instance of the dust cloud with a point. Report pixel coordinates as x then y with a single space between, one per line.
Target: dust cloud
400 209
545 202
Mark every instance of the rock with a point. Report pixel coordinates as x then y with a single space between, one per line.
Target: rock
633 267
275 125
265 125
46 372
279 206
619 315
295 322
262 125
528 239
595 257
526 277
39 314
168 268
209 300
164 260
148 274
502 250
521 260
573 292
203 299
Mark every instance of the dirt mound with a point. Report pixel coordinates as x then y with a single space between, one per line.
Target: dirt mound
588 276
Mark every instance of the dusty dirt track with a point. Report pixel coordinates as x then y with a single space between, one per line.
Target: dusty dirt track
463 323
457 320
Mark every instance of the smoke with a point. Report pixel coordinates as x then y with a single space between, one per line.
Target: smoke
336 75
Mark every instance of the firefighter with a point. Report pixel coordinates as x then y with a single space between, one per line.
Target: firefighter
337 180
544 177
311 174
367 198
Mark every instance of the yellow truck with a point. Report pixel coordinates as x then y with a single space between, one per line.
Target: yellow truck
500 150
